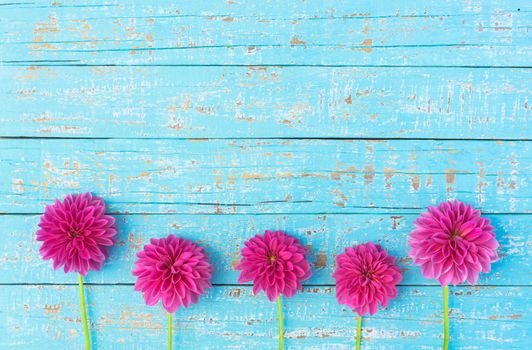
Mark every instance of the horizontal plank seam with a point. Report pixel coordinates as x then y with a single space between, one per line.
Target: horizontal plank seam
249 285
75 63
273 214
304 138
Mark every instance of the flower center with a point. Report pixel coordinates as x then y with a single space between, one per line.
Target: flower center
455 234
73 234
368 274
170 265
272 258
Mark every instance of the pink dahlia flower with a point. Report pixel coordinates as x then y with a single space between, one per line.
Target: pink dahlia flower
452 243
76 233
275 262
365 277
173 270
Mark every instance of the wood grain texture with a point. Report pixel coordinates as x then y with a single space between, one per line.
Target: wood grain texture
46 317
223 237
177 102
453 32
337 121
266 176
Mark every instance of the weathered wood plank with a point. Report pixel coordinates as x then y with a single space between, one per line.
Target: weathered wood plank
47 317
172 102
266 176
453 32
362 78
223 236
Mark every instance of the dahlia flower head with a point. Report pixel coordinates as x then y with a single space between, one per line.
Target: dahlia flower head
275 262
365 277
173 270
453 243
76 233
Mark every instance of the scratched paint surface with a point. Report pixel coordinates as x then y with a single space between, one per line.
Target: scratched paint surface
284 101
336 121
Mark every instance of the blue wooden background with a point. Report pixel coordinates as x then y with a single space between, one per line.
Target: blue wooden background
337 121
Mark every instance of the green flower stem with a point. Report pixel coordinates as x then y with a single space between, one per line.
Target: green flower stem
280 316
169 331
359 331
84 313
445 317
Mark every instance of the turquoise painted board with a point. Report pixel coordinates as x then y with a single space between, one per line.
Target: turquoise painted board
177 102
428 33
230 317
336 121
267 175
223 236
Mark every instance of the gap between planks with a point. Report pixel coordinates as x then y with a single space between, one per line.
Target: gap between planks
390 212
76 63
316 285
22 137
